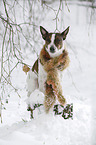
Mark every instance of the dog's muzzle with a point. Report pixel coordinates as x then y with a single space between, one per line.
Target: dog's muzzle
52 49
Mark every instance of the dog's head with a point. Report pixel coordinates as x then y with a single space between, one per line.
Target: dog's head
54 41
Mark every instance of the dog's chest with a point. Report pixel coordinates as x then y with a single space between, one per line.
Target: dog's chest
42 77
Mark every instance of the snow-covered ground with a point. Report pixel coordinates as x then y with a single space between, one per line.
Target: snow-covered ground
79 88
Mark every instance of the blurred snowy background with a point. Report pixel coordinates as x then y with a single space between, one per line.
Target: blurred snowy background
21 42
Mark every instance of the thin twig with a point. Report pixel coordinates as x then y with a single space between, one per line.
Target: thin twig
12 86
72 80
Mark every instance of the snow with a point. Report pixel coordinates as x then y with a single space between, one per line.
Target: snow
50 129
79 88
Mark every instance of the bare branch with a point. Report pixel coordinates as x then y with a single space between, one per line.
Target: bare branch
12 86
3 50
57 18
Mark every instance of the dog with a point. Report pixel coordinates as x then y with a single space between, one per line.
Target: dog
53 59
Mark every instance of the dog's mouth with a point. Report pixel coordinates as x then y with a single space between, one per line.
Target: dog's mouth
52 49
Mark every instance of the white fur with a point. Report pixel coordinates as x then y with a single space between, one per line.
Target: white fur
32 82
42 77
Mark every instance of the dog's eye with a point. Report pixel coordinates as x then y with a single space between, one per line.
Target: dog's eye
48 41
58 40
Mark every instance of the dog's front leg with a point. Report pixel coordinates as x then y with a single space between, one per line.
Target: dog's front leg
50 97
53 89
54 81
63 61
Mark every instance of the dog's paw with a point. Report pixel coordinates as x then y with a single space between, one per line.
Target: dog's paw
62 100
49 102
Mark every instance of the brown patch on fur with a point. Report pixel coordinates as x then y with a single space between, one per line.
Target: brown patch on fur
44 56
35 67
48 38
58 41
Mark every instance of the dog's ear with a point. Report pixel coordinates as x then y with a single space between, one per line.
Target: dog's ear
43 32
64 33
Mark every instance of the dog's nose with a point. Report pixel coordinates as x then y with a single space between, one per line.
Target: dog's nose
52 49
